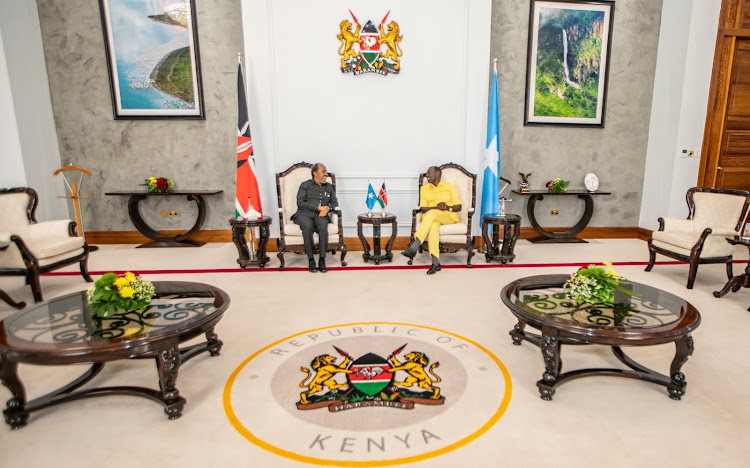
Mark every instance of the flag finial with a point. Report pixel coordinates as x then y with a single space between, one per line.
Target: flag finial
494 64
239 58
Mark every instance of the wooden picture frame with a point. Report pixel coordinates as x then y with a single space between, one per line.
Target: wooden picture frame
153 59
568 62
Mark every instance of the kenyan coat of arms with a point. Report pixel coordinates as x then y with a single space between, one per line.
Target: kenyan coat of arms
370 381
370 49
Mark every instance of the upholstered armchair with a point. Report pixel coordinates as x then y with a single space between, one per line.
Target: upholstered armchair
290 234
36 248
453 237
701 238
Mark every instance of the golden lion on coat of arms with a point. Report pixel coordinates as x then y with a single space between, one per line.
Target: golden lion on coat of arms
325 369
415 366
391 41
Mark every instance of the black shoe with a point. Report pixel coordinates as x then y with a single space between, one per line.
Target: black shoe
411 251
311 266
322 265
434 269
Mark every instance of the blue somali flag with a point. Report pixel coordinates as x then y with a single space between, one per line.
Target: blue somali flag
490 186
372 197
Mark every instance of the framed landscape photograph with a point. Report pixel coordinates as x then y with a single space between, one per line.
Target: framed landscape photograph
153 59
568 62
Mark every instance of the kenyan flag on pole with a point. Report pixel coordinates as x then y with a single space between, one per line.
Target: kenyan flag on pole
370 374
247 195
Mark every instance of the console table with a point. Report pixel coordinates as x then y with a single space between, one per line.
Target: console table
376 220
569 234
160 240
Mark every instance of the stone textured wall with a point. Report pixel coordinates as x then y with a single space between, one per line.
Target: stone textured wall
196 154
615 153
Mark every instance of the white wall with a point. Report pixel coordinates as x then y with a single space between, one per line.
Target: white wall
12 174
678 114
31 106
366 127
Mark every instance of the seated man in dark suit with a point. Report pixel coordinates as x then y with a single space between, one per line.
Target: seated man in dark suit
316 199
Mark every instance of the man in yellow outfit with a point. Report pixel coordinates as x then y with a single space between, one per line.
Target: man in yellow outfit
440 204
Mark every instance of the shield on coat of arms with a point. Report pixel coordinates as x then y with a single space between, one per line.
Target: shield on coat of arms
370 374
369 47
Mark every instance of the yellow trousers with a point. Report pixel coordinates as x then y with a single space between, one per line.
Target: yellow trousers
431 222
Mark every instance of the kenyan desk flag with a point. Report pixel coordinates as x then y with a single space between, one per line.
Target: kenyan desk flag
247 183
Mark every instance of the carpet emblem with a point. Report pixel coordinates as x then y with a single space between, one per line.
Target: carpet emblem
419 392
371 382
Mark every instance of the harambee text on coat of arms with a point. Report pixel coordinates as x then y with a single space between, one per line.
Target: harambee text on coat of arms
370 49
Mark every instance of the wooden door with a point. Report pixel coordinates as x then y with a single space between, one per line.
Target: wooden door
726 141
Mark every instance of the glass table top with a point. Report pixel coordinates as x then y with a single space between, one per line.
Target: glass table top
66 322
649 307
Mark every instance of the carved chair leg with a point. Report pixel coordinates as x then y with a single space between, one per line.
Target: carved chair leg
32 278
470 254
651 258
280 254
343 254
692 273
84 264
730 275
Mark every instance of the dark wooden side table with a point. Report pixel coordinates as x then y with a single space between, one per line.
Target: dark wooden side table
511 224
159 239
62 331
239 227
569 234
377 220
649 317
743 280
3 295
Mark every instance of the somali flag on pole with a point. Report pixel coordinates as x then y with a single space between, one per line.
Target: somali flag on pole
372 197
490 186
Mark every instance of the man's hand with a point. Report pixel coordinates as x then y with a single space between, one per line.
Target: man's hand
442 206
324 210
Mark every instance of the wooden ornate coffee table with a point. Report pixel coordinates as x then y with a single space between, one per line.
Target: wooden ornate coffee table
649 317
62 331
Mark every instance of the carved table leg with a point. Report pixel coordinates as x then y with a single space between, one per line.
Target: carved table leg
168 364
389 245
365 244
376 242
16 415
213 344
551 354
262 244
238 237
678 384
517 333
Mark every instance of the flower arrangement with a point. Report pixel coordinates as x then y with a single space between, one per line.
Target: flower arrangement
557 185
113 294
159 184
594 284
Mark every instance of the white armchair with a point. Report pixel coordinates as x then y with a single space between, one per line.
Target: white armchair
36 248
714 215
453 236
290 234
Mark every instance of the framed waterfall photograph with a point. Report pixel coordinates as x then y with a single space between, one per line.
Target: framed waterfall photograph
153 59
568 62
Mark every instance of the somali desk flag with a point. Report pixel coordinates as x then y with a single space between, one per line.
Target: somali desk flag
490 186
372 197
247 196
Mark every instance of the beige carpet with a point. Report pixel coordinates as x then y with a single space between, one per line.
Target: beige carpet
492 414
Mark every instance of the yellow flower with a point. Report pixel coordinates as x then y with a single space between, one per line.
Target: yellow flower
130 277
152 180
120 282
607 263
130 331
127 291
613 274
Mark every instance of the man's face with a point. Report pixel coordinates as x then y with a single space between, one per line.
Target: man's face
320 175
433 176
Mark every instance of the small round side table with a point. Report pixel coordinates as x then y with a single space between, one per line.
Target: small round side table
511 224
376 220
238 237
